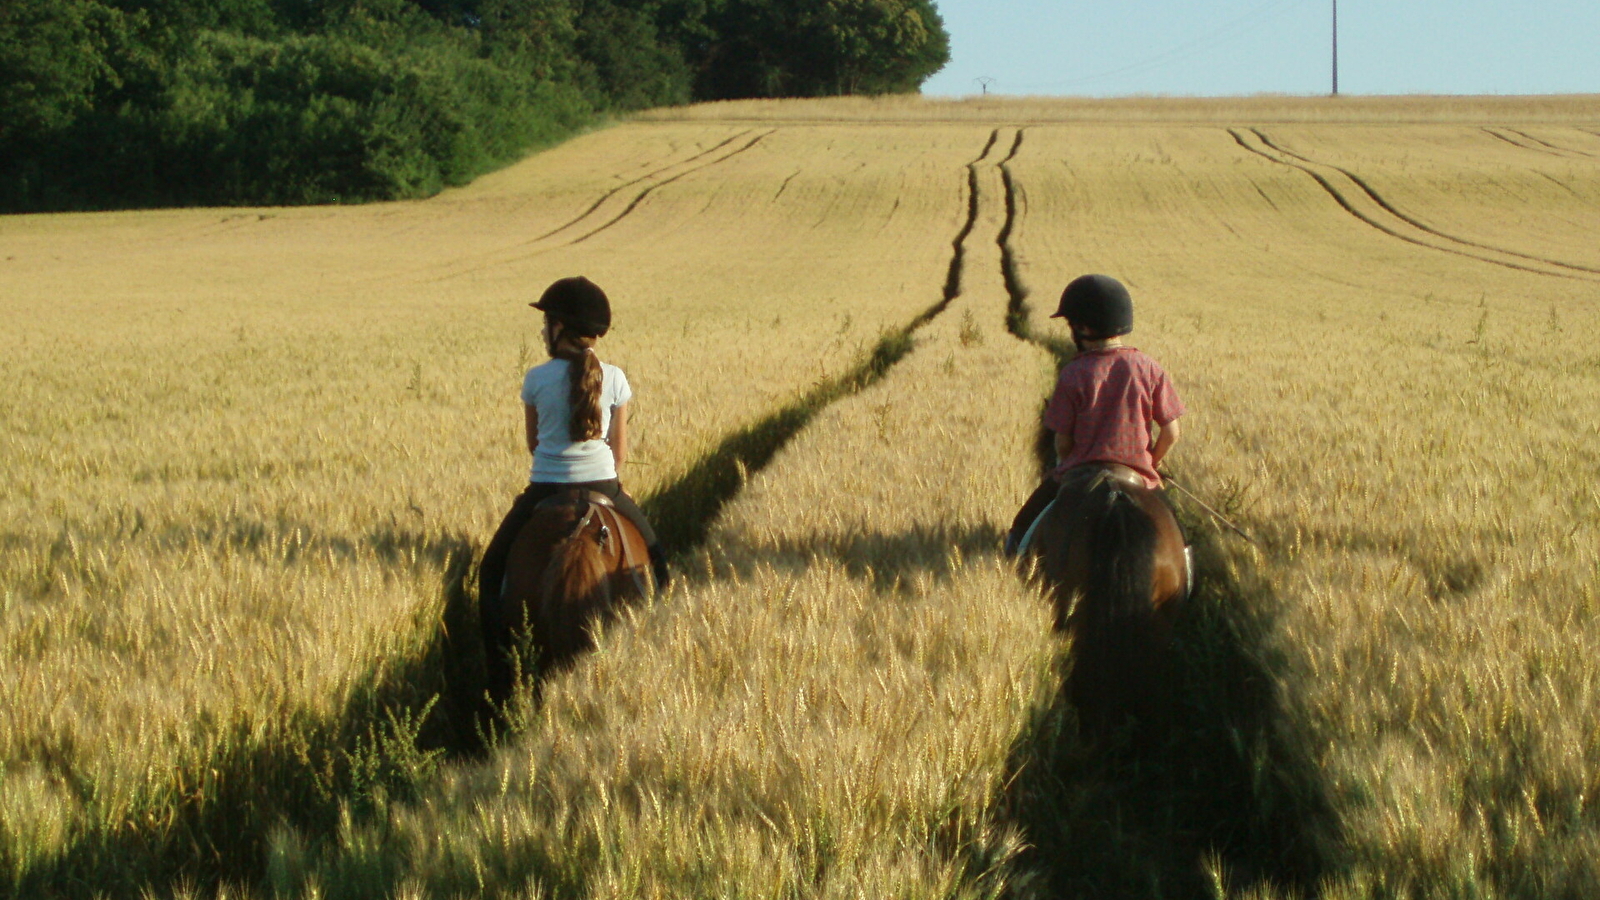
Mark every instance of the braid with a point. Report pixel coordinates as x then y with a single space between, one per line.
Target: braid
584 379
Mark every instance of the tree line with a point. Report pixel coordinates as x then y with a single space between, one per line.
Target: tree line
119 103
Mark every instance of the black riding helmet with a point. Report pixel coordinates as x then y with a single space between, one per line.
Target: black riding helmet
579 304
1097 304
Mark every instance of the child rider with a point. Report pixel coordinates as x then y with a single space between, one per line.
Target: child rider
575 410
1106 400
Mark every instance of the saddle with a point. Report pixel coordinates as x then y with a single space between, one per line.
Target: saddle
610 524
573 495
1091 475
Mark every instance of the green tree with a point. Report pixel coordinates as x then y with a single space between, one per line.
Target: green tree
141 102
808 48
53 57
630 65
874 46
540 36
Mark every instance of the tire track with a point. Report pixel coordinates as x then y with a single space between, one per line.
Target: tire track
1538 145
685 509
1583 153
1018 312
784 187
1406 228
527 249
663 183
1409 220
952 279
1560 184
1567 151
627 184
1516 143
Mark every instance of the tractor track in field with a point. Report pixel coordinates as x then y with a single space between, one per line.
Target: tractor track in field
640 197
1400 225
1527 141
685 509
958 256
1556 147
1541 142
785 186
1560 184
1409 220
550 240
656 172
1018 322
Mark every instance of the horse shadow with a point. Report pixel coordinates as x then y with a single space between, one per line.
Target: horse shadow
1210 796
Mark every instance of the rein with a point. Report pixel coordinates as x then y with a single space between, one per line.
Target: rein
1202 504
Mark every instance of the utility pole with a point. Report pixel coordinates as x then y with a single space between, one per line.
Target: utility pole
1335 48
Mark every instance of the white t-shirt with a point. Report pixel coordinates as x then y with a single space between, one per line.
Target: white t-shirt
558 459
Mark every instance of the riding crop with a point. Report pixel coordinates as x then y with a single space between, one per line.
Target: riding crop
1202 504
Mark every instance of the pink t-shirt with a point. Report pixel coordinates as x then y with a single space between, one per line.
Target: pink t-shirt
1106 399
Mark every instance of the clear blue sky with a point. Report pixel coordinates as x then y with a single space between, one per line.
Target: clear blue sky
1212 47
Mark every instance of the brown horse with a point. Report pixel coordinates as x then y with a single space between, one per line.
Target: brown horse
575 561
1112 551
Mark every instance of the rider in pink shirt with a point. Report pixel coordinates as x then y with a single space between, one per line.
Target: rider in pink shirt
1108 400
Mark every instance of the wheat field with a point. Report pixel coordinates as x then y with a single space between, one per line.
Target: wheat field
250 457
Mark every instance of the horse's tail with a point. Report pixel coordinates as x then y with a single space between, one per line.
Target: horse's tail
1122 551
577 570
574 585
1116 669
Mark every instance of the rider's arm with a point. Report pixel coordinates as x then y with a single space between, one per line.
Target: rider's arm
530 416
1164 441
1063 445
618 438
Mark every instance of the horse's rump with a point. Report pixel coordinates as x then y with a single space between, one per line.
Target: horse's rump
572 562
1114 555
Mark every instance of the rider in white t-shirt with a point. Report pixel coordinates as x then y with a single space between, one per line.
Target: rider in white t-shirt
583 450
557 458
